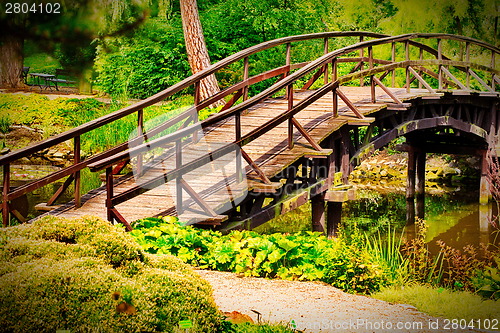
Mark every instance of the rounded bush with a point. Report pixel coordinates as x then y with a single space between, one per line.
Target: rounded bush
85 275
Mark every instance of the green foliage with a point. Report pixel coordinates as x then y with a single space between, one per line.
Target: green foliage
142 64
55 116
441 302
387 250
85 275
487 281
40 62
300 256
5 123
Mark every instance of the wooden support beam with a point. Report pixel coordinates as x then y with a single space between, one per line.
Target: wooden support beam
484 186
197 198
306 135
60 190
386 90
334 217
77 159
255 167
119 217
340 195
5 195
481 82
410 187
318 214
453 78
233 99
421 80
109 193
420 185
349 104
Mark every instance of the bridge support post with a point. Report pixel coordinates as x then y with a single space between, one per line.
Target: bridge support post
318 213
410 186
484 187
334 215
420 184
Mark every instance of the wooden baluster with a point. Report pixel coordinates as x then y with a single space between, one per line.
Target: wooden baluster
245 77
361 55
237 126
290 122
76 160
334 91
440 58
197 100
289 95
109 193
5 193
407 57
393 59
467 60
288 57
325 51
492 65
178 185
370 66
140 133
421 57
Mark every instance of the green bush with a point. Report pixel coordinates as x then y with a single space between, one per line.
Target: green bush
148 61
300 256
87 275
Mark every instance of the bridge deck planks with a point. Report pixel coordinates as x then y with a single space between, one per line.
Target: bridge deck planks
270 151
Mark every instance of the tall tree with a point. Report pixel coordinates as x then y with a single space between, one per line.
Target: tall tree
196 47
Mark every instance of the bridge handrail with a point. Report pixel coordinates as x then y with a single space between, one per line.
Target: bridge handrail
282 84
305 68
106 119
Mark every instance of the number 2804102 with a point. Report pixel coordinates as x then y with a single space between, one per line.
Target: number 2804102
33 8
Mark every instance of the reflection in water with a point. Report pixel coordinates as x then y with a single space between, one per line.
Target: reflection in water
453 216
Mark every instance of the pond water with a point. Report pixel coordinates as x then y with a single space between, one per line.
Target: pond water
453 215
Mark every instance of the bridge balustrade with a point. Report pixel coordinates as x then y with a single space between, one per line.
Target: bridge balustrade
463 74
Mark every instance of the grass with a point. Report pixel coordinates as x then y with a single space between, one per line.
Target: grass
440 302
41 63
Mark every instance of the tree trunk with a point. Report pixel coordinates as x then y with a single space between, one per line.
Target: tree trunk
11 61
196 48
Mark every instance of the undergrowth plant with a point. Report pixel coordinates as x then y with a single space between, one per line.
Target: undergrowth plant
85 275
343 263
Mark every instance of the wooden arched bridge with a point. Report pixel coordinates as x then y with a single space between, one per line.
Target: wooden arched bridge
288 133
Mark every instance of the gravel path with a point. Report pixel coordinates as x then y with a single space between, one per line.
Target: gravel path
315 306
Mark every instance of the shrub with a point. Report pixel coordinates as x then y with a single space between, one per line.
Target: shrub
145 63
300 256
87 275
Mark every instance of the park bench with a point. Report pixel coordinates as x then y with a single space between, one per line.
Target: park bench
63 76
24 74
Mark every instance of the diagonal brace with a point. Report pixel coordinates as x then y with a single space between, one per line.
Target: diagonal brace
255 167
197 198
387 91
421 80
349 104
306 135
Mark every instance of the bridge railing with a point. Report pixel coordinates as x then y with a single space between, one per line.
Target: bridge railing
72 172
291 74
287 83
